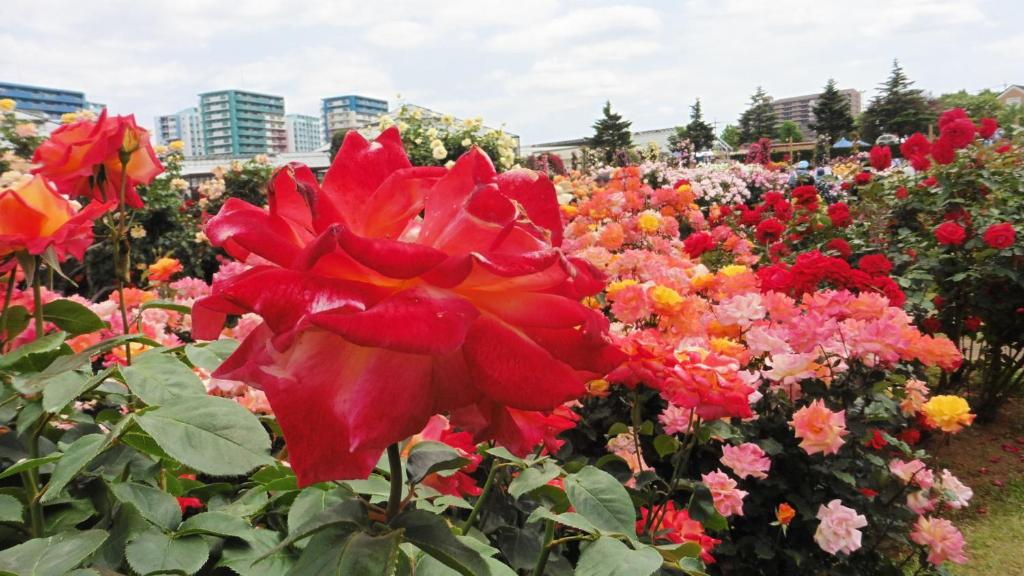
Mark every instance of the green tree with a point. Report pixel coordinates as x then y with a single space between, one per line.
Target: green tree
1012 115
700 132
897 108
682 135
336 139
789 131
759 120
832 113
611 134
984 104
731 135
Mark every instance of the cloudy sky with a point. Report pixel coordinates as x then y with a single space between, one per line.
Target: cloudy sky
541 67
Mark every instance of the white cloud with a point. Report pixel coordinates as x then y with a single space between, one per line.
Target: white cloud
543 67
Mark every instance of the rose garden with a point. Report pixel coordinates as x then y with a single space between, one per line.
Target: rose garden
412 366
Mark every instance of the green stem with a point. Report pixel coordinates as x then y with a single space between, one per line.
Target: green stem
7 304
31 480
122 269
31 477
37 300
483 497
395 466
545 551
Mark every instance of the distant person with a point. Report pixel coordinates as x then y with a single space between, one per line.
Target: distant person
801 172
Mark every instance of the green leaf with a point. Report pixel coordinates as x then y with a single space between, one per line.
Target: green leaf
276 477
17 319
350 514
165 305
215 524
72 317
666 445
431 534
157 553
430 566
10 509
211 355
53 556
533 478
33 351
369 555
242 558
74 361
702 509
601 499
60 390
161 379
66 516
29 464
212 435
428 457
153 504
570 519
313 501
503 453
342 552
609 557
77 456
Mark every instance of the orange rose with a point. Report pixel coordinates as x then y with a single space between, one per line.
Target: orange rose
162 270
785 514
33 217
84 158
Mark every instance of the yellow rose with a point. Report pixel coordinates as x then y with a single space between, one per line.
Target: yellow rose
948 413
7 104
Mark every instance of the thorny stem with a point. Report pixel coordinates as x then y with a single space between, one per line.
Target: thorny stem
395 467
488 484
545 551
7 303
121 269
37 300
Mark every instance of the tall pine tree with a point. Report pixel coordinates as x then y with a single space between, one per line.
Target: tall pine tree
759 120
700 132
832 116
898 108
611 134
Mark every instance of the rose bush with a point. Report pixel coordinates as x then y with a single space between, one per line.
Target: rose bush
435 370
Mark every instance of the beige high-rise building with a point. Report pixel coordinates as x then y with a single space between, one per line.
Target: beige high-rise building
800 109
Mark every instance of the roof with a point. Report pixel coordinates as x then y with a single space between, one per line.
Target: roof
1011 87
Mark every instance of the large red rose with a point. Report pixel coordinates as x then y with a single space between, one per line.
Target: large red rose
950 234
917 145
769 230
84 158
392 293
839 214
698 243
33 217
1000 236
958 133
880 157
987 127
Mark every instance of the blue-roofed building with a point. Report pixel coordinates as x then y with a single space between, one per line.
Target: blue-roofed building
339 113
53 102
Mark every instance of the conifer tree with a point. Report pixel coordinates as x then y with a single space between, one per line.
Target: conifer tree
699 132
759 120
612 137
832 116
897 109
